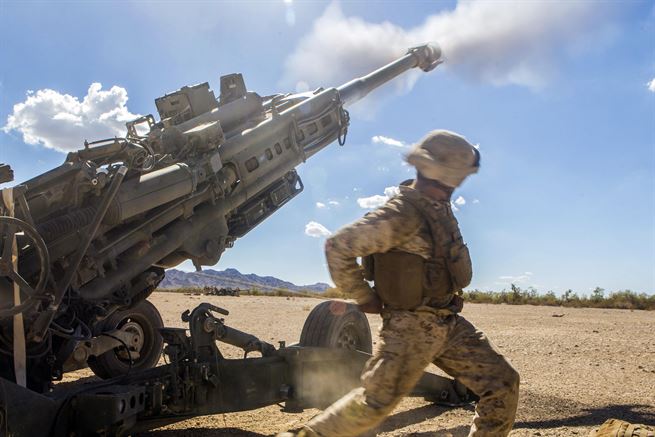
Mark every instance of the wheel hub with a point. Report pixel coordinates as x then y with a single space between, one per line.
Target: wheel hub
137 342
348 339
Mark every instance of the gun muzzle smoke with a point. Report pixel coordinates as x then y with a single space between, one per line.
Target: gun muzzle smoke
425 57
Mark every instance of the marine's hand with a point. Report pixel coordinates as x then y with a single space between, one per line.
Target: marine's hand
373 306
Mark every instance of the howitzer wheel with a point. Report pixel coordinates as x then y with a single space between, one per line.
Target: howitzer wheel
144 322
10 227
337 324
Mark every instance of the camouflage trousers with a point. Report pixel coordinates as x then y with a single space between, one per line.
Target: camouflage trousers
410 341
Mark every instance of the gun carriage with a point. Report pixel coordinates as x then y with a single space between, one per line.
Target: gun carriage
83 245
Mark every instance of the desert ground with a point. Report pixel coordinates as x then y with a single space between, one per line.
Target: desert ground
578 368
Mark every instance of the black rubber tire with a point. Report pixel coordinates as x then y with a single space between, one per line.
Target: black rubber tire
146 315
335 324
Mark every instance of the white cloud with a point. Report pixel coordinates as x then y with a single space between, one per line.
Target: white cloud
496 42
328 205
460 201
372 202
377 200
379 139
316 230
62 122
476 201
391 191
515 279
651 86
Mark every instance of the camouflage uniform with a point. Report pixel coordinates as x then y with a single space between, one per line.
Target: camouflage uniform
410 340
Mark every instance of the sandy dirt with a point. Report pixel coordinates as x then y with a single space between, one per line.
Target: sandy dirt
578 368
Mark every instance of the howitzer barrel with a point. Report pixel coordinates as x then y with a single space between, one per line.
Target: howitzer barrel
425 57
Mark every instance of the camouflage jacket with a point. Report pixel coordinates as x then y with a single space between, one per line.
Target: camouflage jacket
397 225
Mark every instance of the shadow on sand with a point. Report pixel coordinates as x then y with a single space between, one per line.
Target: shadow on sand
580 416
635 413
204 432
420 414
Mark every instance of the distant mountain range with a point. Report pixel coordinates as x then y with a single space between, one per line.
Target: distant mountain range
232 278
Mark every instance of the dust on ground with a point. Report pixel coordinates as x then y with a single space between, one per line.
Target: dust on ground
578 366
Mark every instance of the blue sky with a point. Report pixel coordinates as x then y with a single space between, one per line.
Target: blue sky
561 108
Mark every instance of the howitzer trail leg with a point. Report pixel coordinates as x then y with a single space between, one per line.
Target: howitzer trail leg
409 342
472 359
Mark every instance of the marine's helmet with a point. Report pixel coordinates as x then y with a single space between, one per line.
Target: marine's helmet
445 156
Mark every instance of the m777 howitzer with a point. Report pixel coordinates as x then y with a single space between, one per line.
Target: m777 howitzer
94 236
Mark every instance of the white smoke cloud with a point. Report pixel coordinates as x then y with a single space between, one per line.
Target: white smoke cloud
290 15
62 122
500 42
316 230
651 86
377 200
379 139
